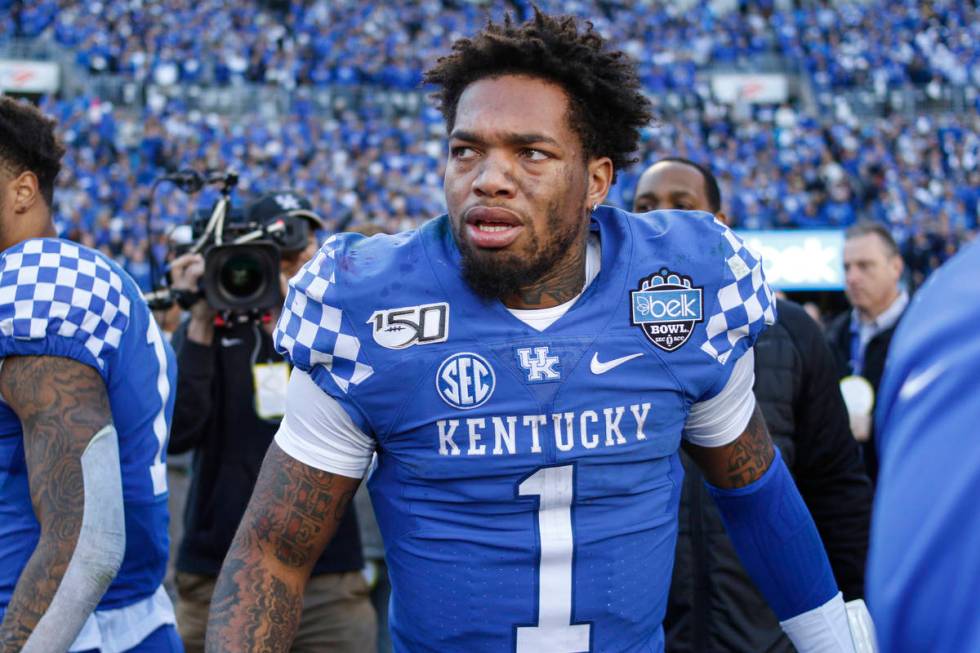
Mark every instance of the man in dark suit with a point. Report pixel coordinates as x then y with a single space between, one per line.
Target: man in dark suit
860 337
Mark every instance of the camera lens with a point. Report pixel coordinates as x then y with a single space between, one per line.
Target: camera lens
241 275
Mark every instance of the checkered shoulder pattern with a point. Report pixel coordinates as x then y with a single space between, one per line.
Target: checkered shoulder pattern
313 333
745 303
51 287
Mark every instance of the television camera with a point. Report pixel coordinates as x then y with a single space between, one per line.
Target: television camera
241 257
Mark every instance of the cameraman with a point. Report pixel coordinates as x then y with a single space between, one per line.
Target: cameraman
230 386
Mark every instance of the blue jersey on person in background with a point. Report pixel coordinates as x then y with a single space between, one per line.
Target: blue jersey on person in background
527 482
58 298
924 560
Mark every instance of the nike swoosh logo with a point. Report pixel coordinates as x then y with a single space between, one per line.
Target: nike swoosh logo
921 381
599 367
230 342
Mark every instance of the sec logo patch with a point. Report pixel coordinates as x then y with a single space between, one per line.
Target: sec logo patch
465 380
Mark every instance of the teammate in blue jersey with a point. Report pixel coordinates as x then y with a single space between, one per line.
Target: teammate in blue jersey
85 405
525 369
924 561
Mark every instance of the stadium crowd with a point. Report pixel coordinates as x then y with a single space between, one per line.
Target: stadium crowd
844 45
844 152
780 166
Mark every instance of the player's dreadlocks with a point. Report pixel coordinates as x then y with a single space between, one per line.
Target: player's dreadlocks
607 107
28 142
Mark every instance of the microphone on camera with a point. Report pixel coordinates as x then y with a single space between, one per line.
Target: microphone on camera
227 178
189 181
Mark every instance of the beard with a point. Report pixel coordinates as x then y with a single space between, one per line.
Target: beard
497 275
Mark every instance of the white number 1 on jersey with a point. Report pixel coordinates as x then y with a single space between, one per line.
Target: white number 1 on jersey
158 470
554 631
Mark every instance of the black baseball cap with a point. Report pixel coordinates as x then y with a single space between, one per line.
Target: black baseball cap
282 204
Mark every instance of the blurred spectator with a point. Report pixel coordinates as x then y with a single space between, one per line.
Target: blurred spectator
860 337
796 387
813 310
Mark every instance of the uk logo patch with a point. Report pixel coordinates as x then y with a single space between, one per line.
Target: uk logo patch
539 364
287 202
667 306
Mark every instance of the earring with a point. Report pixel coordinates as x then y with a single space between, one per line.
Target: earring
595 206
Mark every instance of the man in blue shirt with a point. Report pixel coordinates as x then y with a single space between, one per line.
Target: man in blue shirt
85 404
923 564
525 369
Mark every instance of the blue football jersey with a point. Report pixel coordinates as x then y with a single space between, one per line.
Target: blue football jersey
58 298
924 558
527 482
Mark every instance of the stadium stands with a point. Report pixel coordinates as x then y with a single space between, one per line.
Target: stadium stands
882 124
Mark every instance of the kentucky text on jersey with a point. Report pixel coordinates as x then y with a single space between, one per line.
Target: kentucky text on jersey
588 429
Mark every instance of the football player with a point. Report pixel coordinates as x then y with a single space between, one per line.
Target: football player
923 565
525 369
85 405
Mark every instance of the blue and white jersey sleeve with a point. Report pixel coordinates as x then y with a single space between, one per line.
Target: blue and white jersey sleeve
719 420
315 335
60 299
739 305
318 432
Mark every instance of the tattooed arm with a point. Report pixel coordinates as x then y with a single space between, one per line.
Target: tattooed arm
290 519
65 415
740 462
775 537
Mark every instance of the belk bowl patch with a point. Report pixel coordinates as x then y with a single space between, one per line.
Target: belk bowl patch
666 306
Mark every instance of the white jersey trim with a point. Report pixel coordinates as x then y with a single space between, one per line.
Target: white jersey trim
318 432
121 629
720 420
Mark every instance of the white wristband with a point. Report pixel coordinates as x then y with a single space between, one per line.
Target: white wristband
821 630
863 633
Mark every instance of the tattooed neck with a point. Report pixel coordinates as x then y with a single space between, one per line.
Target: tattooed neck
558 286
